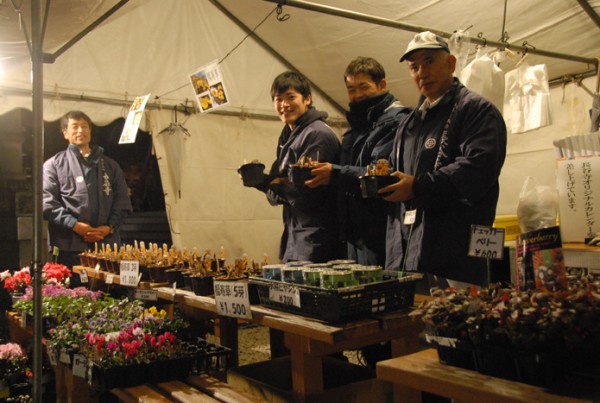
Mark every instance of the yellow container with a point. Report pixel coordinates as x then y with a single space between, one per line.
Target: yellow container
510 223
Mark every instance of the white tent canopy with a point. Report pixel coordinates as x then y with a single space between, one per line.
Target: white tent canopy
152 46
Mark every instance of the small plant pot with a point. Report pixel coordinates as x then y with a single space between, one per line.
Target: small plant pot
299 174
252 173
369 185
202 285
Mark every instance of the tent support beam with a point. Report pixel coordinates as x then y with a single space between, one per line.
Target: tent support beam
307 5
51 57
272 51
590 11
152 105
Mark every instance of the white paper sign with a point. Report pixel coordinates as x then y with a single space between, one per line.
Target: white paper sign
232 299
83 276
286 294
64 357
146 295
134 117
486 242
209 87
578 184
129 274
52 357
79 365
109 278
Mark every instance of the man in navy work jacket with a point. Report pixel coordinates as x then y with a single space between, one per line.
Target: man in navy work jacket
374 116
309 215
447 155
85 195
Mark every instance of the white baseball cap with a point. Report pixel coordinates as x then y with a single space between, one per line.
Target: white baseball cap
425 40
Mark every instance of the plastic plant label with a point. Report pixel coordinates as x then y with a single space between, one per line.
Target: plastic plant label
83 276
109 278
79 365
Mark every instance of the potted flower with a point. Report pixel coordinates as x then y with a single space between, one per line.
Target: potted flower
534 336
56 273
14 371
16 283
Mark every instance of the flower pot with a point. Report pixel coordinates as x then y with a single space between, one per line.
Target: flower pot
175 276
158 274
252 173
202 285
369 185
496 361
454 352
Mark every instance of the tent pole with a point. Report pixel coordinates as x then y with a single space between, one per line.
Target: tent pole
272 51
38 153
590 11
417 28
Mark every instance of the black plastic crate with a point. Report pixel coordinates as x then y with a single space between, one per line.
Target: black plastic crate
342 304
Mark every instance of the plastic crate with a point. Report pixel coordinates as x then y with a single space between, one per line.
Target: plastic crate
342 304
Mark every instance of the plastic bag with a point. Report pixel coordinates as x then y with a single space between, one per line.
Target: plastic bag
538 206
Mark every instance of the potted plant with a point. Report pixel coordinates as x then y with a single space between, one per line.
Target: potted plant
16 283
534 336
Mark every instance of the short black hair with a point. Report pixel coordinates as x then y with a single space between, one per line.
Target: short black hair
77 115
290 79
366 65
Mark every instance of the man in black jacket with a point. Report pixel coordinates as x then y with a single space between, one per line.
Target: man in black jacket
374 116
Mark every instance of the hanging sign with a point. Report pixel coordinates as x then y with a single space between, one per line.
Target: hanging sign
134 117
232 299
209 87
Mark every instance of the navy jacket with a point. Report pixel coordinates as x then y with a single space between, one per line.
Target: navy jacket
66 199
456 154
373 124
309 216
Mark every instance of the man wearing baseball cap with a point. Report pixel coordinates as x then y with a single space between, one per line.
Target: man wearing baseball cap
447 156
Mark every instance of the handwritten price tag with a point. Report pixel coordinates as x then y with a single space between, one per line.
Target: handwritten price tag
486 242
146 295
232 299
109 278
83 276
130 270
285 294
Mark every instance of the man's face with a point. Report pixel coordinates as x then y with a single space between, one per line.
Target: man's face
79 133
290 106
361 86
431 71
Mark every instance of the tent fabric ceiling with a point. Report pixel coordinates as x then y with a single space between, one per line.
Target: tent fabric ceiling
151 46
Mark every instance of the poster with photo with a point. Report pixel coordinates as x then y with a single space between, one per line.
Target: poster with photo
209 87
134 117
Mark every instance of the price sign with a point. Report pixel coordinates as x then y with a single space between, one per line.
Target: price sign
109 278
83 276
64 357
232 299
52 356
486 242
130 270
286 294
79 365
146 295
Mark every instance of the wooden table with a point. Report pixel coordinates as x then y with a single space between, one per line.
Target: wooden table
310 340
422 371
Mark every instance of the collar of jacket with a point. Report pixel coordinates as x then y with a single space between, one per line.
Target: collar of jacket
364 113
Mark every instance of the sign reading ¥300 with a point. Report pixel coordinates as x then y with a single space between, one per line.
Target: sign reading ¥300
232 299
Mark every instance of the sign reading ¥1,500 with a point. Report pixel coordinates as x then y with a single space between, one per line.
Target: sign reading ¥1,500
232 299
286 294
129 272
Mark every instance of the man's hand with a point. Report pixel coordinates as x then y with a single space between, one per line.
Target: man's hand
322 175
91 234
401 190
